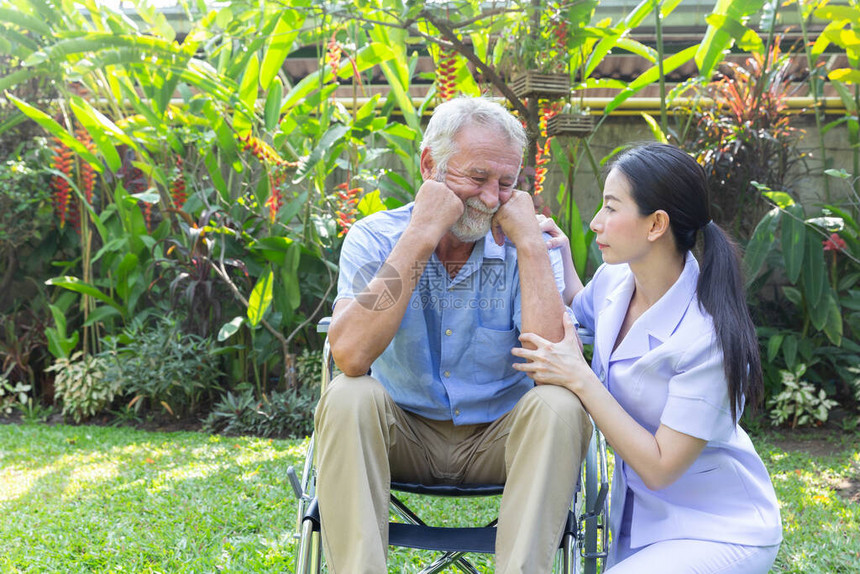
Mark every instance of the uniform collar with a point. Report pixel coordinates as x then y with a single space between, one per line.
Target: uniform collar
655 325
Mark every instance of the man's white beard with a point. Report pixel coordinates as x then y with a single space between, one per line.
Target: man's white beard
474 223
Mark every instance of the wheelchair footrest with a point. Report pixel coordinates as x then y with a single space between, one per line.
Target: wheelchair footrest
481 540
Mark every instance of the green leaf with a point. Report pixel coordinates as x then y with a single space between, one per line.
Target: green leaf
793 238
833 325
370 203
229 329
292 288
58 131
655 128
78 286
794 295
745 38
780 198
400 93
716 40
101 129
814 276
213 167
273 104
124 272
274 249
650 76
279 46
260 299
332 136
248 90
639 13
760 244
367 57
59 319
846 75
100 314
773 346
789 351
819 312
638 48
839 14
25 21
17 77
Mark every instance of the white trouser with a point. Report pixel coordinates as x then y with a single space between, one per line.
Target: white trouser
692 557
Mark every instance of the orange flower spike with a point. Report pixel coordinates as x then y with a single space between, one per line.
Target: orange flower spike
333 54
177 186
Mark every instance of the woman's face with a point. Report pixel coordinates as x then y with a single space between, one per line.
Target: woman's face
620 230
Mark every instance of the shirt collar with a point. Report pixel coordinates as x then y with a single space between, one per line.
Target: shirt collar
493 250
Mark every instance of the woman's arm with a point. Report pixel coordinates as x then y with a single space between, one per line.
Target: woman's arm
659 459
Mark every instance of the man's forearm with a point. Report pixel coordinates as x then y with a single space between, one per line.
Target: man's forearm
363 327
540 301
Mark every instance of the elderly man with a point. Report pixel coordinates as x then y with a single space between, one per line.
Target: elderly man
431 299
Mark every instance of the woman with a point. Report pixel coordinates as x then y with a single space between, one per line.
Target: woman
675 357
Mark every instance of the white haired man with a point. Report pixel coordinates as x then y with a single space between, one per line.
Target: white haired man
431 299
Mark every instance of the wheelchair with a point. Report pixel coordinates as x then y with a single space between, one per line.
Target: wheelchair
582 549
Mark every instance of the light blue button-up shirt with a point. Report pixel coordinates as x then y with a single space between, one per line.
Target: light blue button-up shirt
451 358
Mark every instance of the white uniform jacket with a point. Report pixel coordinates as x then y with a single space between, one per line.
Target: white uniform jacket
669 370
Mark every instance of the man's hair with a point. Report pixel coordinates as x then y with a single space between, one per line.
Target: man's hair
452 116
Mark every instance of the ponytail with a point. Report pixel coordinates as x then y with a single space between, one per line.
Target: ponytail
721 294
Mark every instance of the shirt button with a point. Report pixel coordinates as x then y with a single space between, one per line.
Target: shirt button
448 332
457 412
447 373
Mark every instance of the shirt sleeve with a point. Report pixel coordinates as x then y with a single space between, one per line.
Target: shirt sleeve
698 400
361 256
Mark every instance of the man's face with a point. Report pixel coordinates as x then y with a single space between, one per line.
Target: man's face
482 173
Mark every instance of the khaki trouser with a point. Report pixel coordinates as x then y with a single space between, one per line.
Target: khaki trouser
364 440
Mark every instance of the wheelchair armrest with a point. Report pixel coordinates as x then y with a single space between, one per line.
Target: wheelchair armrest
449 489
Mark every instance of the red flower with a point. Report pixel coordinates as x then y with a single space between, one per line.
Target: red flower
835 243
446 74
177 185
347 200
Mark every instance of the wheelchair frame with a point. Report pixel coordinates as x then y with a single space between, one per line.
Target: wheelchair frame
583 546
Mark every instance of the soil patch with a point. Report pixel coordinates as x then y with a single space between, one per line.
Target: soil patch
825 442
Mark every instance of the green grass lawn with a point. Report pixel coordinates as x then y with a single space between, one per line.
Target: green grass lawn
98 499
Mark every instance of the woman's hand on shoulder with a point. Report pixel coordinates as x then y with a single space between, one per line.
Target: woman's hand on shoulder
557 238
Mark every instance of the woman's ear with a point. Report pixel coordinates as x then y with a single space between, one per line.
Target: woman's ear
659 225
428 166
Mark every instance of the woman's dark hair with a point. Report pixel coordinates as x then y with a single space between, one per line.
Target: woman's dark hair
663 177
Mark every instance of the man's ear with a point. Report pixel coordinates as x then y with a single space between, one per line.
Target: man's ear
659 225
428 166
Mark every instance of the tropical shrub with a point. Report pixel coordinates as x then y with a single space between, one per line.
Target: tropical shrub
805 283
11 396
158 367
747 135
80 384
25 212
288 414
797 403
